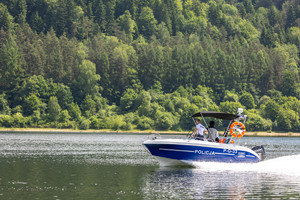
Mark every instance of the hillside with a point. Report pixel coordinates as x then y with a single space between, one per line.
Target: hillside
130 64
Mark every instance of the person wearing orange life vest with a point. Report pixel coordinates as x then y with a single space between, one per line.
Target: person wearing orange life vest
198 134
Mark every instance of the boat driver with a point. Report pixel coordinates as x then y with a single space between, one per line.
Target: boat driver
198 134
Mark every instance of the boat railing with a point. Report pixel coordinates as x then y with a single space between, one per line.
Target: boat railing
154 136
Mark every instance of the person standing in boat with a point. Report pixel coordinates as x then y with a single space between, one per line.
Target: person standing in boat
213 135
198 134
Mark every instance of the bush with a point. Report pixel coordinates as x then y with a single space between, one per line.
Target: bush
126 126
114 122
32 103
88 106
271 110
36 119
166 121
6 121
131 118
145 123
127 100
68 124
264 99
288 120
257 123
247 100
169 105
64 116
4 107
20 121
74 111
95 122
230 96
84 124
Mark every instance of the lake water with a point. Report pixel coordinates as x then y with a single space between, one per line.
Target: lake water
116 166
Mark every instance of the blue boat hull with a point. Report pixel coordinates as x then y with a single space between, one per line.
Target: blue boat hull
200 151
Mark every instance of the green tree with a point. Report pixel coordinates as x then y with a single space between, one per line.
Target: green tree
99 14
295 35
247 100
215 14
31 50
217 76
230 96
88 106
54 61
291 16
143 101
110 16
6 20
272 16
288 120
289 84
122 72
166 121
272 110
36 22
74 111
249 6
33 103
11 71
86 81
128 99
145 123
127 24
53 109
21 10
84 124
64 96
256 123
4 107
163 34
151 62
267 37
147 22
65 16
64 116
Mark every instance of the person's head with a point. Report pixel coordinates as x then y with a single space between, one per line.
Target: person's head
211 124
198 121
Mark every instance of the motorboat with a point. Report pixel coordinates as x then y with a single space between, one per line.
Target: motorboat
186 151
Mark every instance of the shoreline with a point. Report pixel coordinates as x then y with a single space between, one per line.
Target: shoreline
53 130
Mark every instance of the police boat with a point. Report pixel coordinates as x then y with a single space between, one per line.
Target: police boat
177 152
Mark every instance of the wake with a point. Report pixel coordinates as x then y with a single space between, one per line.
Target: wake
288 165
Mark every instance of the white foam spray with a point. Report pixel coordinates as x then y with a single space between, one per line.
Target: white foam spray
286 165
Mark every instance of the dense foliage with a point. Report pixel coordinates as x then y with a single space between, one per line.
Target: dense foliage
151 64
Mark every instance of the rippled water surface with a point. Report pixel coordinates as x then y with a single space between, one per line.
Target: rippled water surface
115 166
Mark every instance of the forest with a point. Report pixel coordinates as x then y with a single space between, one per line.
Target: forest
148 64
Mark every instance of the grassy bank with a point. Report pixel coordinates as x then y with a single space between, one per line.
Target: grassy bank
51 130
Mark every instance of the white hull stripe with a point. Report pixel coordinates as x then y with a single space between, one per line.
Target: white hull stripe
189 151
229 154
250 156
176 150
